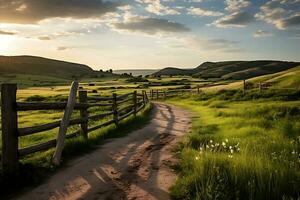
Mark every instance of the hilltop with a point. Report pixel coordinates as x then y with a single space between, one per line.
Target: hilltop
235 70
32 65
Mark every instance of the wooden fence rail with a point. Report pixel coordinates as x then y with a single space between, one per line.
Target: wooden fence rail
119 108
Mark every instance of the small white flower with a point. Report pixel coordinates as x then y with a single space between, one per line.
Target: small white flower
226 140
211 141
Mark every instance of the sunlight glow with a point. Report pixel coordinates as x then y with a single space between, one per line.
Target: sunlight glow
6 44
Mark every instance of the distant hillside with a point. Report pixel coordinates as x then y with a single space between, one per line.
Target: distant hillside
285 79
136 72
236 70
31 65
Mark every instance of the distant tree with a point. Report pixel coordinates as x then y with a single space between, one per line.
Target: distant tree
110 71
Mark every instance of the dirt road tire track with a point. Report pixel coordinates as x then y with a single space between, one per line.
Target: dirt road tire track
134 167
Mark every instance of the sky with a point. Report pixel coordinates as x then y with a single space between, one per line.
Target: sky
151 34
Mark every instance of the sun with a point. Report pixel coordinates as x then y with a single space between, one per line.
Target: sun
6 44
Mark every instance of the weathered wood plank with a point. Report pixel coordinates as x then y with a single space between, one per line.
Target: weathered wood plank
100 116
124 96
100 98
126 115
9 120
44 146
65 123
28 106
125 108
134 102
101 125
47 127
124 101
115 109
83 113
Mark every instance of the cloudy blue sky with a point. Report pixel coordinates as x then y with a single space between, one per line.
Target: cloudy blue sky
151 33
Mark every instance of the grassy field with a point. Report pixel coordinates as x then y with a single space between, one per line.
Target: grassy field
237 149
28 92
241 146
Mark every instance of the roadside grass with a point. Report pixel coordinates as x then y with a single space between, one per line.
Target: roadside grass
240 150
37 167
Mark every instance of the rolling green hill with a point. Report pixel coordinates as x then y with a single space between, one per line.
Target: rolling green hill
31 65
236 70
285 79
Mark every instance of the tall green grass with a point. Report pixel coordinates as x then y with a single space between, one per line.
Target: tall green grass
240 150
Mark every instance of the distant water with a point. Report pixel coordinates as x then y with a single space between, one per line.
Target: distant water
137 72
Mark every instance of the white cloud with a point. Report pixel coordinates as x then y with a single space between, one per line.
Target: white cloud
148 26
156 7
262 33
236 5
280 13
203 12
237 19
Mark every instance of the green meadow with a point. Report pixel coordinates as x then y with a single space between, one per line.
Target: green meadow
239 148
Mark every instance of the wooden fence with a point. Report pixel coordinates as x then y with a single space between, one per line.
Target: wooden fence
119 107
163 94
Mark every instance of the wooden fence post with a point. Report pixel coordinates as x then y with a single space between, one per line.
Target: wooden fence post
115 109
152 94
144 98
84 114
10 161
134 102
61 136
198 89
165 95
260 87
244 86
157 95
147 100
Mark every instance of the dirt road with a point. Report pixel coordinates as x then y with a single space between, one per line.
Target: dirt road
133 167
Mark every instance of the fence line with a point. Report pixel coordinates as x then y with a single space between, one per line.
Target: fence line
156 94
119 110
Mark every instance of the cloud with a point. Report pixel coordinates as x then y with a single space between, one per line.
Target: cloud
44 38
237 16
4 32
262 33
150 26
283 14
33 11
213 44
236 5
200 44
237 19
62 48
156 7
203 12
